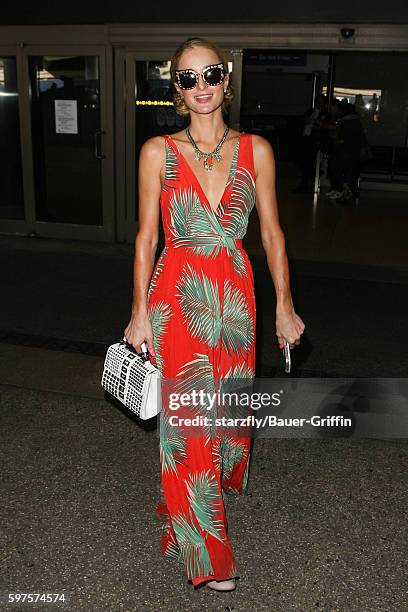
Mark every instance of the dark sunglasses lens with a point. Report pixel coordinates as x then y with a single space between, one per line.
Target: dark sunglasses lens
187 80
213 76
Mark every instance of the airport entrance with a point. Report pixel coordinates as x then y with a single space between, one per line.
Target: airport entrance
77 103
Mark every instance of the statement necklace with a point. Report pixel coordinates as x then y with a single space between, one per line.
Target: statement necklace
208 157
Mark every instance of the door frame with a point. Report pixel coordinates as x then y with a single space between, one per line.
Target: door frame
17 226
126 163
31 226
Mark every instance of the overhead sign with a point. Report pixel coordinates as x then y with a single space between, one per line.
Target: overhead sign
276 59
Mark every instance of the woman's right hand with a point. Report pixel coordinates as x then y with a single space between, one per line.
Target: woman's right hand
139 330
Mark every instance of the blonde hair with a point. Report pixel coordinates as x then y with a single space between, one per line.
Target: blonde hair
192 43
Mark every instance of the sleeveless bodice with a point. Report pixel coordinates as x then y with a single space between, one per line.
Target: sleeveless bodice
189 219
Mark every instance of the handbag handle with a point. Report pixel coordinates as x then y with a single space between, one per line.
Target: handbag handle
145 352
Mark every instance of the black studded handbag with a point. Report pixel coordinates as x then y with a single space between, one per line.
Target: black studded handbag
132 379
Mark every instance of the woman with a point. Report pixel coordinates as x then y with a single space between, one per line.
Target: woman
196 313
344 160
351 136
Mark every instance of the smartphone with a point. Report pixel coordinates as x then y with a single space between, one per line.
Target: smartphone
145 353
286 352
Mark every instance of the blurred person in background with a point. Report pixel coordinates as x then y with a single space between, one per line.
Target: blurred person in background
344 161
310 143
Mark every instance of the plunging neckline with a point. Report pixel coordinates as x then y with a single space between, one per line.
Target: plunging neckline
230 178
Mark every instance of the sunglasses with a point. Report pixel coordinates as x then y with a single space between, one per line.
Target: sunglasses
212 75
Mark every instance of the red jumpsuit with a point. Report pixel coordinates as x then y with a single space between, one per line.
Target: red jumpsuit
201 305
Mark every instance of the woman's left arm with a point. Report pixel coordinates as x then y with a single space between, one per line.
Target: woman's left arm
289 326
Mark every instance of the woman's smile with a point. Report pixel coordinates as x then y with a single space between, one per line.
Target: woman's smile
203 97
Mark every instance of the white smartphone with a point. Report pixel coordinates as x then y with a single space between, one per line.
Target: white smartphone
145 352
286 352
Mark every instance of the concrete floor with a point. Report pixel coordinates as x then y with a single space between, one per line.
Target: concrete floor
323 526
372 230
354 314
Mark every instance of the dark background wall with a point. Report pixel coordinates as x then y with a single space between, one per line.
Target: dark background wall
179 11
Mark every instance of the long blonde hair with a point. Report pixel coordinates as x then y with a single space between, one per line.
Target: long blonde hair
191 43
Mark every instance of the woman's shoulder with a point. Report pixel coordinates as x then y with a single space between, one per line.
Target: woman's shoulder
260 145
153 148
154 143
153 153
262 152
257 140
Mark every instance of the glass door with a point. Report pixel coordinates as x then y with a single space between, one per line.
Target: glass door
66 141
149 112
372 83
279 88
11 173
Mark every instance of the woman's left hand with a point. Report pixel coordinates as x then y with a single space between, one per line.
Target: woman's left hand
289 326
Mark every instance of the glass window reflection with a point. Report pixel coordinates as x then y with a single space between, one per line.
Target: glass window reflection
11 177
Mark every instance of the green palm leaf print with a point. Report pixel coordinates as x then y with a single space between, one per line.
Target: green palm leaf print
235 220
207 319
238 262
171 547
206 502
216 453
157 271
241 375
198 370
237 327
192 546
186 213
241 370
200 304
244 189
232 451
245 477
195 227
173 550
234 162
198 375
172 445
243 198
237 380
171 172
217 231
159 314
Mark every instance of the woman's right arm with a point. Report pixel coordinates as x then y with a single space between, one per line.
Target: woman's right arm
151 162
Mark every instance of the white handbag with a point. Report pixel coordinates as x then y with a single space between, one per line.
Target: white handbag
132 379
